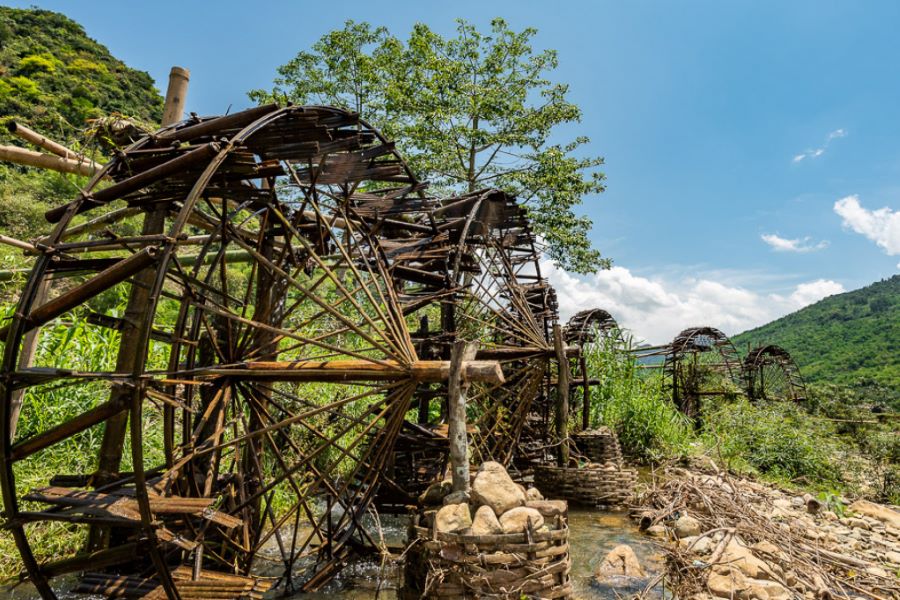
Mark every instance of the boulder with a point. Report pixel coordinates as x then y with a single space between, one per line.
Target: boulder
728 582
516 519
886 515
548 508
687 526
620 561
768 590
452 518
657 531
486 522
495 488
533 495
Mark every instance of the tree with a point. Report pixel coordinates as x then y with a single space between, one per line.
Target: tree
471 111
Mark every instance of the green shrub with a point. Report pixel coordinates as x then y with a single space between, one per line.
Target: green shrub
776 439
38 63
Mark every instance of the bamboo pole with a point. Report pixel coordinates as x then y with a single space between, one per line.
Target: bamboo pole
31 136
424 371
562 397
176 94
30 158
457 387
9 241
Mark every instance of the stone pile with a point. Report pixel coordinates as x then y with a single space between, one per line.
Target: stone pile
739 539
500 541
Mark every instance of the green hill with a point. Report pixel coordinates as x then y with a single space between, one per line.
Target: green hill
843 338
54 77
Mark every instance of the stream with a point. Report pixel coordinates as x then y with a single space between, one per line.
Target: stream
592 534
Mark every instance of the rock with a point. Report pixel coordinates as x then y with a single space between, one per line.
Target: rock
516 519
620 561
768 590
494 487
765 549
797 501
892 557
548 508
855 523
884 514
703 545
434 493
877 571
782 503
486 522
456 498
533 495
738 555
452 518
657 531
829 515
728 582
687 526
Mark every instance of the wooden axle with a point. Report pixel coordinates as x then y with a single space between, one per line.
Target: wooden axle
424 371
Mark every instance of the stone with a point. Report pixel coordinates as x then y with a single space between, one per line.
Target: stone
486 522
768 590
877 571
738 555
620 561
886 515
728 582
855 523
703 545
495 488
516 519
782 503
452 518
533 495
687 526
892 557
829 515
434 493
767 549
548 508
456 498
657 531
797 501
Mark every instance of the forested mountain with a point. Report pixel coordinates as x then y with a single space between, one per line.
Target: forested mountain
54 77
843 338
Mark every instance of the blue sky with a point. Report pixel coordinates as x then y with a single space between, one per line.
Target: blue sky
720 122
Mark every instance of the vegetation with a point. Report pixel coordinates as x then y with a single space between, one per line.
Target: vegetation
54 78
843 339
475 110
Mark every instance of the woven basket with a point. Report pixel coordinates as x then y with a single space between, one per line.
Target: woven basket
534 564
587 486
599 446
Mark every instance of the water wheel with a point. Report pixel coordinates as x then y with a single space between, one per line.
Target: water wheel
257 365
700 361
771 374
591 333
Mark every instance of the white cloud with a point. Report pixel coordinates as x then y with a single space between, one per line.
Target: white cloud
656 309
780 244
817 152
882 226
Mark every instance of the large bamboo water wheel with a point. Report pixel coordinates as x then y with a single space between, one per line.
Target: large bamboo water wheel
258 369
700 362
771 374
590 333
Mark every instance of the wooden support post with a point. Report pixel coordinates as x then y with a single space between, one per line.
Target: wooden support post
131 354
457 389
562 397
586 394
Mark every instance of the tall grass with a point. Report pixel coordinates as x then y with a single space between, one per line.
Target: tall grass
632 403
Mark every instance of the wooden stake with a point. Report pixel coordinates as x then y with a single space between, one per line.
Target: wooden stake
562 397
457 386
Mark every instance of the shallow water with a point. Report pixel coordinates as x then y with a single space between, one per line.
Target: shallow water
592 534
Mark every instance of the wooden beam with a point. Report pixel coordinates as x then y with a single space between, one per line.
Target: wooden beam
424 371
30 158
562 398
460 357
47 144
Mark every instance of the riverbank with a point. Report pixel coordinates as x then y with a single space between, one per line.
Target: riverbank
731 537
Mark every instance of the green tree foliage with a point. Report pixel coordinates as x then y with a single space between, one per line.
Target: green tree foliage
844 338
470 111
54 78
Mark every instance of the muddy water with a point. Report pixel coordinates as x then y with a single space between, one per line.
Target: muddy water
592 534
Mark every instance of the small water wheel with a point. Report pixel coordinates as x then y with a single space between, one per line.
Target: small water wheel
590 332
771 374
257 365
700 361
